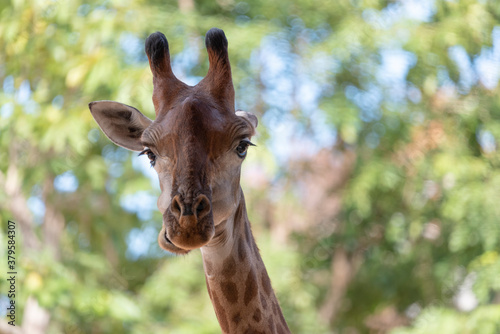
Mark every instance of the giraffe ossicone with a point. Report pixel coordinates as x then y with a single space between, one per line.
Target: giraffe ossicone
197 144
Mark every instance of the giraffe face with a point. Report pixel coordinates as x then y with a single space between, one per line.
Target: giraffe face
197 152
196 144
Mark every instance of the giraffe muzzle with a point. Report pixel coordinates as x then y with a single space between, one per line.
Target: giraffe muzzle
187 224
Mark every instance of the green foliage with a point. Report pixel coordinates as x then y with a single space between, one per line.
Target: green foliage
445 320
416 215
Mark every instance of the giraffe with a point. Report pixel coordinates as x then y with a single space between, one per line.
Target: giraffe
197 144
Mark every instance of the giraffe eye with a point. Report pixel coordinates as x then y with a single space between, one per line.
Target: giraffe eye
150 154
242 148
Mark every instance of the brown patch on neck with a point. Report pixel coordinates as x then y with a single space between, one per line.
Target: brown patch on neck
250 287
237 318
263 301
229 268
230 291
257 316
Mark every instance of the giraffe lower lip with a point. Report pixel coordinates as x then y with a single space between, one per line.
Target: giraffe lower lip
171 247
167 239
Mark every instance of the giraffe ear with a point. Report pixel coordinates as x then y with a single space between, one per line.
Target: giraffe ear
121 123
249 118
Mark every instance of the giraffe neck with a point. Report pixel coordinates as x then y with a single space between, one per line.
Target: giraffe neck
237 281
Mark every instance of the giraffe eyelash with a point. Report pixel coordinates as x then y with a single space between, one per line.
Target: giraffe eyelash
150 154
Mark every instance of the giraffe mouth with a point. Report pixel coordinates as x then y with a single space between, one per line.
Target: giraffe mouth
168 245
183 231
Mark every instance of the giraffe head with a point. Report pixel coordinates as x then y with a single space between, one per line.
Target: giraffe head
196 144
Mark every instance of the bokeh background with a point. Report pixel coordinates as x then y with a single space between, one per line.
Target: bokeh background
374 191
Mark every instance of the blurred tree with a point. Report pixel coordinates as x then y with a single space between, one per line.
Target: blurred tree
415 95
377 172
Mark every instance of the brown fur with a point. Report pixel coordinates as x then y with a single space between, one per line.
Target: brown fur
266 283
221 314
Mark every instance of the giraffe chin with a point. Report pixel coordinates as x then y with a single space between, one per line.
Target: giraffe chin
167 245
183 242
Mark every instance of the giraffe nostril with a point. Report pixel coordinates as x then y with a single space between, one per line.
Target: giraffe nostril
202 206
175 207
